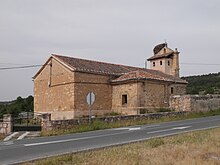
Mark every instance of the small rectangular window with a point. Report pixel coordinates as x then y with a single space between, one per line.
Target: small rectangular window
171 90
161 63
168 63
153 63
124 99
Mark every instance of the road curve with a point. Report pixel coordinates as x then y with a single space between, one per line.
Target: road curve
17 151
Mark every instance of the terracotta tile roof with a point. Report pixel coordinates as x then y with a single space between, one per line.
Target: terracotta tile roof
160 56
148 74
125 72
95 66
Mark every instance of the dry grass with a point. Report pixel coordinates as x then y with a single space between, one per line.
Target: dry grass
195 148
2 136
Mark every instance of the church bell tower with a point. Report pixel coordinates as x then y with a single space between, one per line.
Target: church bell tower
165 60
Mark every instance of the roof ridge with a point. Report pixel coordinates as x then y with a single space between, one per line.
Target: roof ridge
98 67
124 66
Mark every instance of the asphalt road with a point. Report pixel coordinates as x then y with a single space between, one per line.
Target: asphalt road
12 152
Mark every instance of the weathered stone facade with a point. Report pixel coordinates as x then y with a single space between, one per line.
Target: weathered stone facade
54 91
62 84
195 103
147 94
99 85
131 91
63 93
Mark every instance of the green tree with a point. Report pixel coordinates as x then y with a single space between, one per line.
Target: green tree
203 84
17 106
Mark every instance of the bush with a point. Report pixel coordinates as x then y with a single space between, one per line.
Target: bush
144 111
112 114
164 110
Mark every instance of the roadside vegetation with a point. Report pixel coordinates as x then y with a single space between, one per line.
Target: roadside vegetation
98 125
201 147
1 136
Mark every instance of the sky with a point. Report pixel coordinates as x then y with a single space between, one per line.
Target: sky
114 31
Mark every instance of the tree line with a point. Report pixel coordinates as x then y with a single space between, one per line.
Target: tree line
203 84
17 106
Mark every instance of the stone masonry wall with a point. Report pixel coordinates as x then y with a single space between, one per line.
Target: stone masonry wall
53 91
147 95
62 93
154 94
6 124
129 89
178 89
48 125
195 103
99 85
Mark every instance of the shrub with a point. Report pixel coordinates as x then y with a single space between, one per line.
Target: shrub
144 111
164 110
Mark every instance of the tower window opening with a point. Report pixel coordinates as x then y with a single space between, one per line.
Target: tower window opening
168 63
161 63
153 63
164 50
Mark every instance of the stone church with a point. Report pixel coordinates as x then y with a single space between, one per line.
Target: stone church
62 84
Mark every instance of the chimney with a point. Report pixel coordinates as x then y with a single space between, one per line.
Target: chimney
175 69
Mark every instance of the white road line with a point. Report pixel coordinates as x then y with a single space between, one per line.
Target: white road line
179 128
23 135
190 123
67 140
150 126
124 128
8 143
164 130
85 138
10 136
134 129
129 129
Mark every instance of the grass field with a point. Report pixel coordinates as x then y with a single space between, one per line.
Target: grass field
194 148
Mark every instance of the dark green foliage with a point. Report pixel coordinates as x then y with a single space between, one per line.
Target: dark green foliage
144 111
17 106
112 114
164 110
203 84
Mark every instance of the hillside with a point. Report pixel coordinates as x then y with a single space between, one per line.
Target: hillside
203 84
